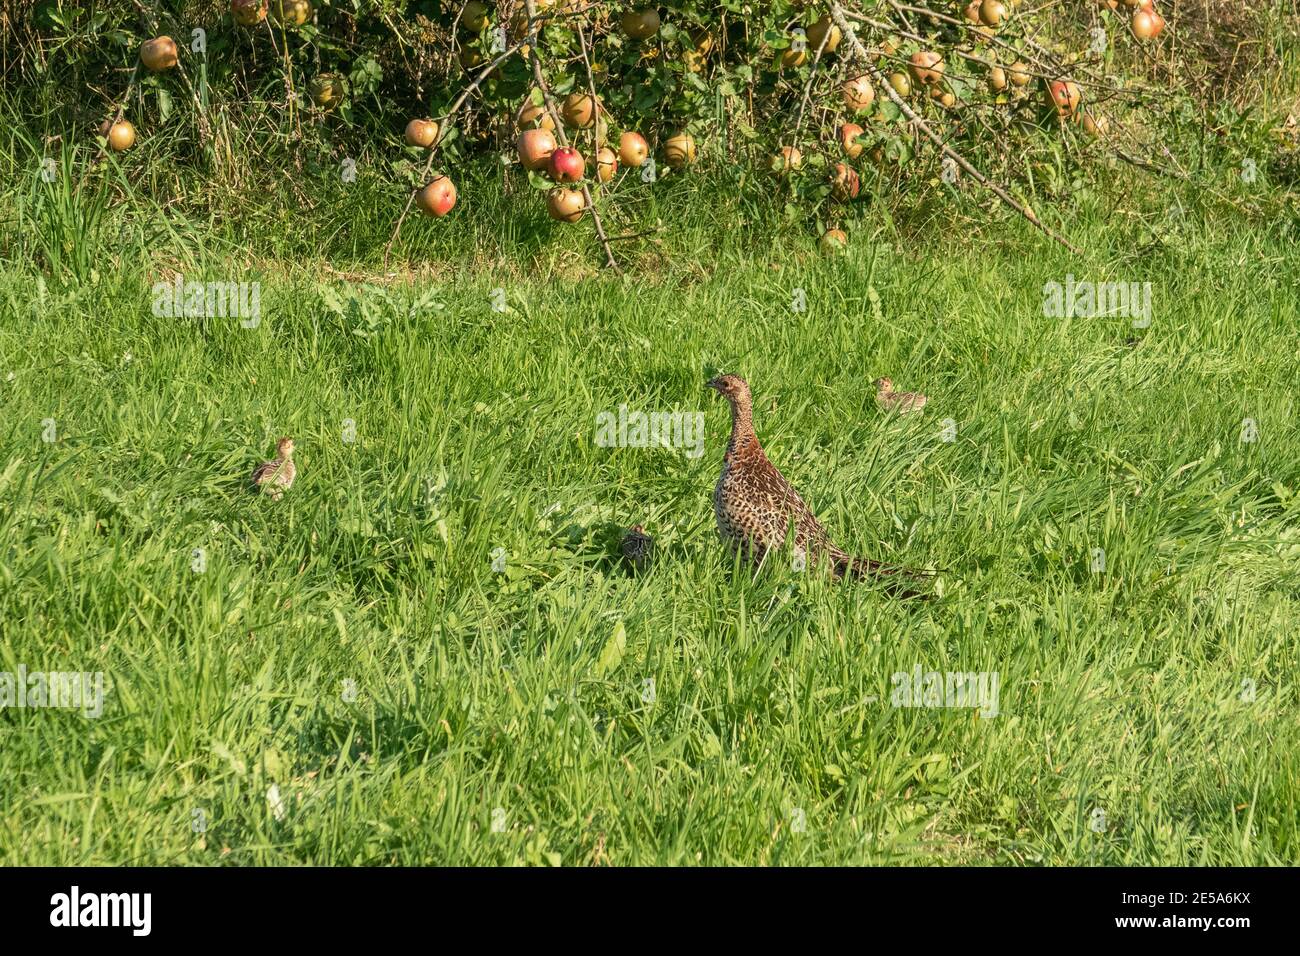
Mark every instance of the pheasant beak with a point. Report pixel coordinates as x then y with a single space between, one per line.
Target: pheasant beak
714 383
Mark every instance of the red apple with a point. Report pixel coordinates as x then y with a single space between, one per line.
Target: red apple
567 165
926 67
844 182
1064 97
1147 24
535 148
437 198
833 241
787 159
849 134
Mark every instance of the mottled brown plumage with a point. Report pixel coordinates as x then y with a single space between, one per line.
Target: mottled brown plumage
278 474
903 403
756 507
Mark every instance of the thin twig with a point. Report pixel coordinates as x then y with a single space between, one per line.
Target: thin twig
597 130
438 137
1151 167
807 87
117 118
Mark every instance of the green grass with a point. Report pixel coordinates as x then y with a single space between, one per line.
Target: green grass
476 690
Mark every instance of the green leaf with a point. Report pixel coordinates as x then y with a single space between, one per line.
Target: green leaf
612 655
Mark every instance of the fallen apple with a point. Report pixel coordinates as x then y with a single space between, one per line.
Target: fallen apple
844 182
833 241
1064 97
858 93
679 150
1147 24
786 159
926 67
326 91
993 13
1094 124
120 135
849 134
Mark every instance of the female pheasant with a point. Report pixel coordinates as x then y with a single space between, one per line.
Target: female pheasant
276 475
755 505
904 403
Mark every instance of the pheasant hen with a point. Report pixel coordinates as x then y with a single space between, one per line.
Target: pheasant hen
756 506
278 474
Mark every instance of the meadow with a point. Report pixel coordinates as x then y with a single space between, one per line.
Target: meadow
430 652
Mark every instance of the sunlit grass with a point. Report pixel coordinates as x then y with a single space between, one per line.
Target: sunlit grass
353 646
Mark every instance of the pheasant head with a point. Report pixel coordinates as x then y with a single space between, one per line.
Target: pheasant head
884 386
284 447
736 392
